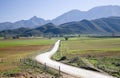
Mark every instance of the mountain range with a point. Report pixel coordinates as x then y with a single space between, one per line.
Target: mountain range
31 23
73 15
94 13
98 26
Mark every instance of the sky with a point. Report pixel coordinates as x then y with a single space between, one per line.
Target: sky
14 10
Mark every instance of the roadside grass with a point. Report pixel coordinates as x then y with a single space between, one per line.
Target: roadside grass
12 51
102 53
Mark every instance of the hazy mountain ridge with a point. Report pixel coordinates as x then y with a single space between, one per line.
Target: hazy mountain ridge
98 26
94 13
73 15
31 23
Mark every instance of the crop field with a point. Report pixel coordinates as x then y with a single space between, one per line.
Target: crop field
98 54
11 51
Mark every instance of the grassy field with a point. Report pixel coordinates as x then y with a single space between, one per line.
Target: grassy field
102 53
11 51
23 42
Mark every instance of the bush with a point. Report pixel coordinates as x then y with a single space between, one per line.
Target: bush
66 38
74 59
62 58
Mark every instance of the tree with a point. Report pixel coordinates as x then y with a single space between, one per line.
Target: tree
79 35
15 37
66 38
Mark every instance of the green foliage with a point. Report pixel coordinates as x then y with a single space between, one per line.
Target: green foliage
76 61
11 72
108 64
66 38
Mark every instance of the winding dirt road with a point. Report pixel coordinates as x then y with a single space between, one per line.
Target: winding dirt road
78 72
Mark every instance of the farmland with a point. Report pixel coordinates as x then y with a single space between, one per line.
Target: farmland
98 54
13 50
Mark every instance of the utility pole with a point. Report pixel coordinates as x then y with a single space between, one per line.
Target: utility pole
45 70
59 71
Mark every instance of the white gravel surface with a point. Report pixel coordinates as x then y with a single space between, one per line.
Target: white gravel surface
45 58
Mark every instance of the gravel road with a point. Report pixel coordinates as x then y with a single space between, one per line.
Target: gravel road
78 72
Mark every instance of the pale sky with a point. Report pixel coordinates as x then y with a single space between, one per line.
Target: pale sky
14 10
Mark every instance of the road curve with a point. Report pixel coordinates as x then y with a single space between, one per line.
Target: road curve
78 72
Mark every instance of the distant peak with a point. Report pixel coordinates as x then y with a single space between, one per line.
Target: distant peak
84 20
106 6
49 24
34 17
75 10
